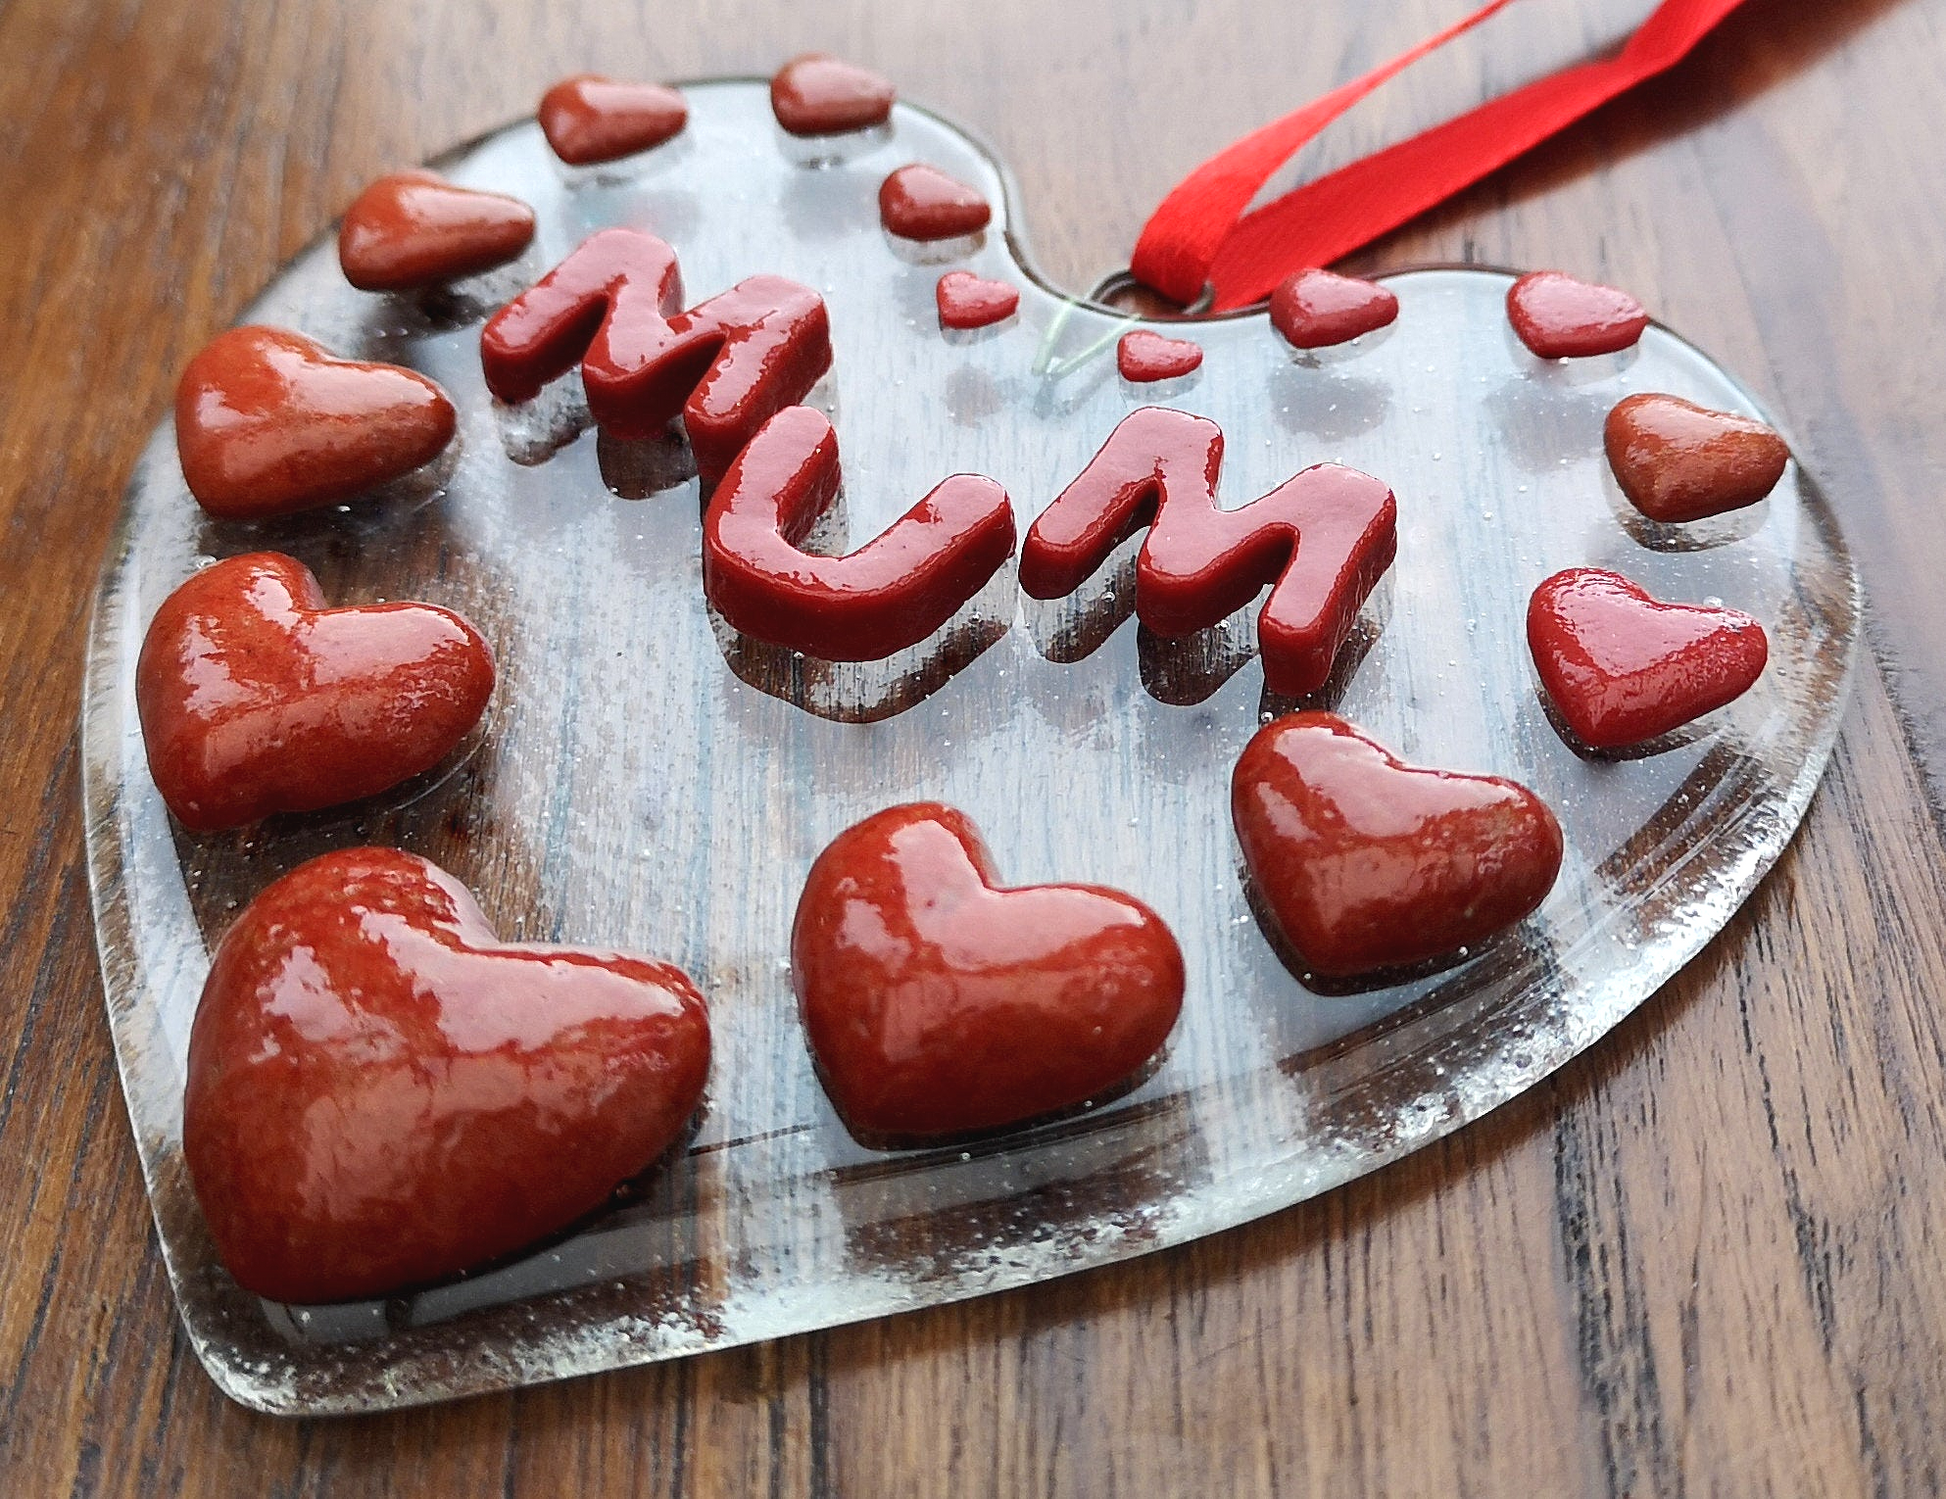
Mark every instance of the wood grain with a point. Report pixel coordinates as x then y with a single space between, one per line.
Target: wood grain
1701 1260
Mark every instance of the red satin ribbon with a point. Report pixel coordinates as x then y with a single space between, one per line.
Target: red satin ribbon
1201 234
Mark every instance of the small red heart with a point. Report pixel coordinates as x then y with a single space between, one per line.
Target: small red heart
923 203
1623 667
589 119
1367 863
1143 356
819 95
938 1004
268 423
970 301
1316 309
1677 461
414 229
382 1093
255 698
1558 317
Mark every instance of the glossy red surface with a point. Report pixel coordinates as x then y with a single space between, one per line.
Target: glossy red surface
821 95
969 301
1366 863
890 593
1677 461
589 119
625 274
255 698
1322 540
1622 667
923 203
1315 308
726 366
381 1093
1142 356
937 1004
268 423
1558 317
414 229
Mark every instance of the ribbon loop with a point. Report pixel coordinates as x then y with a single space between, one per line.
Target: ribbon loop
1205 233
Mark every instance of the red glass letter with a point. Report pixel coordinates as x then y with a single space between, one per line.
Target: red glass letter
891 593
1322 540
726 365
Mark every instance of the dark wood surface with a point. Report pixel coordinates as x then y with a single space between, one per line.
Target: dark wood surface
1704 1259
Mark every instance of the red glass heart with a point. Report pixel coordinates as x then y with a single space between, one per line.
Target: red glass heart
1316 309
819 95
382 1093
937 1003
255 698
1623 667
268 423
970 301
1143 356
414 229
590 119
1677 461
1558 317
923 203
1366 863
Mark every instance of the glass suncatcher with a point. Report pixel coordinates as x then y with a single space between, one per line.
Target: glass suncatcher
645 778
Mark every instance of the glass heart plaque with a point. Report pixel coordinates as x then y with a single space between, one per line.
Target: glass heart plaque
648 778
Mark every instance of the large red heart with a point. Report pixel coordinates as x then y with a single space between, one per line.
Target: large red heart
413 229
938 1004
1368 863
255 698
1623 667
267 423
381 1093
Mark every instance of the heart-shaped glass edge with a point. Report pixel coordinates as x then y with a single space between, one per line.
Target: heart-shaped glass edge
1182 1157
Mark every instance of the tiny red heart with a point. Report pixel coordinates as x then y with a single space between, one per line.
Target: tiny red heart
1559 317
923 203
1316 309
1677 461
255 698
381 1093
414 229
820 95
268 423
1622 667
1367 863
1143 356
970 301
589 119
938 1004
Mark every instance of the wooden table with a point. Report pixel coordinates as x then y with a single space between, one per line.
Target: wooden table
1703 1259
